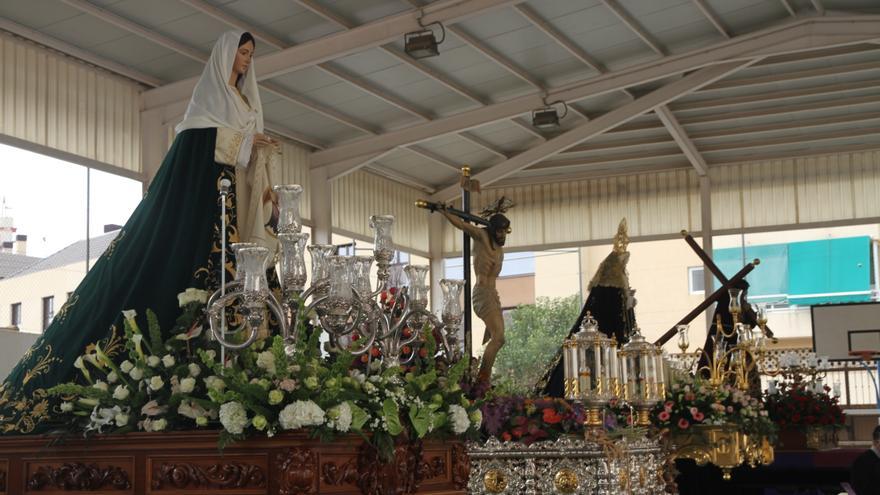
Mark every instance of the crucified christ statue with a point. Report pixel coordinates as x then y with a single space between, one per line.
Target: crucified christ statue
488 255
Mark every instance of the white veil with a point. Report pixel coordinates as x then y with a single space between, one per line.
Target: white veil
214 102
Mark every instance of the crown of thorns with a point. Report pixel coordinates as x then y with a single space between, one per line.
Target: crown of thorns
500 206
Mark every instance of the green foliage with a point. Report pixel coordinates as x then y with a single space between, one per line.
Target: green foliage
533 335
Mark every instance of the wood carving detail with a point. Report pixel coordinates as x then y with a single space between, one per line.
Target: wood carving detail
335 475
220 475
461 466
398 477
432 468
297 470
79 476
3 480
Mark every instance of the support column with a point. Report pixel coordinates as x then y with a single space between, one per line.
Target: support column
321 205
435 250
706 233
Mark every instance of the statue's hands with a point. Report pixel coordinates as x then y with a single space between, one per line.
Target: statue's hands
262 140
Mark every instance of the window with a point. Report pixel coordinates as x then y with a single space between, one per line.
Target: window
48 311
696 284
15 311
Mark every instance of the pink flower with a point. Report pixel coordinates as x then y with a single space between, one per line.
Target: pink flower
693 410
729 409
698 417
663 416
668 405
683 423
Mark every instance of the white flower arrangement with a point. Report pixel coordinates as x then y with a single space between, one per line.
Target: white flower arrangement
339 417
215 383
126 366
136 374
459 419
301 414
102 386
67 406
153 361
233 417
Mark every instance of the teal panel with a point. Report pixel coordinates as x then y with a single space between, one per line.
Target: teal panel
769 277
830 266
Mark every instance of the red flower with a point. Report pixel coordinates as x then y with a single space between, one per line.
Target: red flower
551 416
663 416
423 352
374 352
683 423
505 436
698 416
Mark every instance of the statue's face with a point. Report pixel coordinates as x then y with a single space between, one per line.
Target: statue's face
500 236
243 57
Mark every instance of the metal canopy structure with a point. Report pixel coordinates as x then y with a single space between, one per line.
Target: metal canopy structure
651 85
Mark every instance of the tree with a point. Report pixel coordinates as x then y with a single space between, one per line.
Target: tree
533 335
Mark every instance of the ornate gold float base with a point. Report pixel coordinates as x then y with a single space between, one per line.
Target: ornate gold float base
189 462
722 445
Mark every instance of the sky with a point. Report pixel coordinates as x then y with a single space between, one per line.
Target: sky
46 198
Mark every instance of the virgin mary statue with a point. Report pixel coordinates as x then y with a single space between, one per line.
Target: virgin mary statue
173 239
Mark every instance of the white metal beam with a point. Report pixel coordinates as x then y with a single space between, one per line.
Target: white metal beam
788 7
634 25
791 36
817 4
230 20
494 56
598 125
528 128
401 178
135 28
707 12
482 143
434 157
343 43
681 138
77 52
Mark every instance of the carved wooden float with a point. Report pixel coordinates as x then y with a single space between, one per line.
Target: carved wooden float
189 462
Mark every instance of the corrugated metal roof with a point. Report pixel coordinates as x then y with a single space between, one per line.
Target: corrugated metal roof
526 48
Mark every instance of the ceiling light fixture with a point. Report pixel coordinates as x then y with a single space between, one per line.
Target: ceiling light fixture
547 118
423 44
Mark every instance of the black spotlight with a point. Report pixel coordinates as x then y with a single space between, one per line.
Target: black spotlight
547 118
423 44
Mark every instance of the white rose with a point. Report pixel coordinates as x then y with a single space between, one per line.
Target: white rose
153 361
121 419
100 386
194 370
168 360
112 377
126 366
458 416
160 424
233 417
211 354
192 295
67 406
121 392
156 383
187 385
136 374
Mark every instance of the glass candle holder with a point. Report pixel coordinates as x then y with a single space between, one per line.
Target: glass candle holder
289 220
293 263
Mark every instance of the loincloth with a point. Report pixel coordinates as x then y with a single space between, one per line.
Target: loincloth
486 301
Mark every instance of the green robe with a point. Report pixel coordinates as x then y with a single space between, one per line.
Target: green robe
171 242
